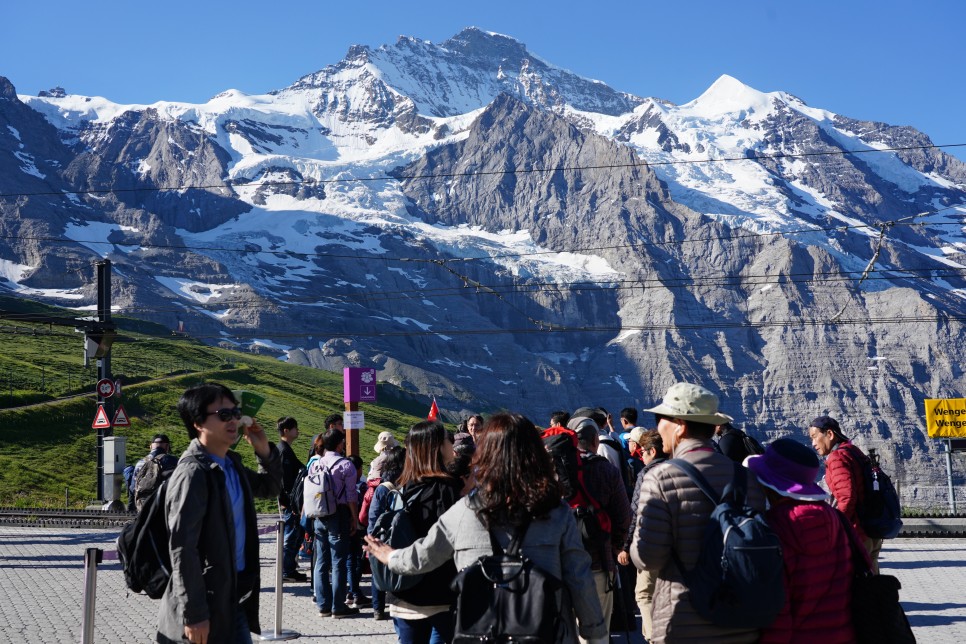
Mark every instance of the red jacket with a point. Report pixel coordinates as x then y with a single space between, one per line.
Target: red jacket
846 481
371 486
818 575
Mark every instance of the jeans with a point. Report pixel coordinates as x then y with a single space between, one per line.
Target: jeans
331 555
437 629
242 634
378 600
291 542
355 564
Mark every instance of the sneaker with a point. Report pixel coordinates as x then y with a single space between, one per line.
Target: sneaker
346 612
324 612
380 615
294 576
362 601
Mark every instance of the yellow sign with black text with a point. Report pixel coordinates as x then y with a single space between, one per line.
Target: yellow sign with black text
946 417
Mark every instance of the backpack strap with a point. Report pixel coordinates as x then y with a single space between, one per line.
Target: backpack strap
516 540
738 487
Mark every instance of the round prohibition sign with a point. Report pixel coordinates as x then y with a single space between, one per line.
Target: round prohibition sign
105 387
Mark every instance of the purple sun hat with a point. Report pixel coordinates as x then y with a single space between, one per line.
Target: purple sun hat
789 468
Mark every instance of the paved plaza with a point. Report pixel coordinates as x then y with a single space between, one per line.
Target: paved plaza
42 591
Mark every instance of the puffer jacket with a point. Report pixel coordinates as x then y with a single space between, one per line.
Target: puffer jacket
204 583
673 513
818 575
845 480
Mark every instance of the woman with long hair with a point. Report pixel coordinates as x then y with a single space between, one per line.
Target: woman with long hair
516 487
421 614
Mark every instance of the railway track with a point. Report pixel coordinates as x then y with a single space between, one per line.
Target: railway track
939 526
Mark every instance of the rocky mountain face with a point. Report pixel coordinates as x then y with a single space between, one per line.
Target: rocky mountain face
495 231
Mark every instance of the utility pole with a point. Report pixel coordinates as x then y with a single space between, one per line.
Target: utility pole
99 334
103 328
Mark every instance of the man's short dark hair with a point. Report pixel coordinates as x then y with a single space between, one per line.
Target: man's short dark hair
630 415
193 405
332 439
559 418
286 422
331 419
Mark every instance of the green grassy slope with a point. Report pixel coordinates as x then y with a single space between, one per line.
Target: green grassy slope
48 449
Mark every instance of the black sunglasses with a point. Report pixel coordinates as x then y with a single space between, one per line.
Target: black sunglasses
226 414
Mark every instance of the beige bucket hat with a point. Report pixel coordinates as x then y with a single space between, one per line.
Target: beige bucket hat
691 402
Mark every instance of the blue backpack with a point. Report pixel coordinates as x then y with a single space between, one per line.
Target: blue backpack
738 580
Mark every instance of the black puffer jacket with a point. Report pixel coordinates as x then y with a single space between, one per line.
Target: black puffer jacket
431 498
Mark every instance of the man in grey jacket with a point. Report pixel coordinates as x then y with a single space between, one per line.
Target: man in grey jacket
212 595
672 513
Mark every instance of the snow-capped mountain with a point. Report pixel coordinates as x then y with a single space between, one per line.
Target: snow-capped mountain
497 231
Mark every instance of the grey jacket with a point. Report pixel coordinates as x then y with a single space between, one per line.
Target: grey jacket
673 513
553 545
204 583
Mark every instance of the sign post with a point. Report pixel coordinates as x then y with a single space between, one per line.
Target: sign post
358 385
946 418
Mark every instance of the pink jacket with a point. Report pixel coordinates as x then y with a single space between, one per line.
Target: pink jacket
818 575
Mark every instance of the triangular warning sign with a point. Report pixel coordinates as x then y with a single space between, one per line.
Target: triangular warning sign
120 417
100 420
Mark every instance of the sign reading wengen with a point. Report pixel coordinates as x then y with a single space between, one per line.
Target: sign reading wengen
946 417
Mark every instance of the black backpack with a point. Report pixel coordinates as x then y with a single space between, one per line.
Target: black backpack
395 527
738 580
297 494
879 512
752 446
142 547
504 597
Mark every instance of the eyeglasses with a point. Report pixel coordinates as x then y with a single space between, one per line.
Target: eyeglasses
226 414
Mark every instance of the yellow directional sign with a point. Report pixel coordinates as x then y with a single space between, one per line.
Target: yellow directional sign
946 417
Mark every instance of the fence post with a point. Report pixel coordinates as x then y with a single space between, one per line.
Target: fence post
279 633
92 557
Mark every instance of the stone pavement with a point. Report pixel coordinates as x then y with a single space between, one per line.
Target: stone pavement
42 590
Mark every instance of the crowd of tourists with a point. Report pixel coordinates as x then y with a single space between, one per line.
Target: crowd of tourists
612 515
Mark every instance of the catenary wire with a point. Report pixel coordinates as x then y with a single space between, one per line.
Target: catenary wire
482 173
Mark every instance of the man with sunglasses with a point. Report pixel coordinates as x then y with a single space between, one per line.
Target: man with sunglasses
212 595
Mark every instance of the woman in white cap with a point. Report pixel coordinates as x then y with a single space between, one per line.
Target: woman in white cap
815 547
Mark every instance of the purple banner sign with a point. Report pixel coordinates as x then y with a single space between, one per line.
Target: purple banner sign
359 384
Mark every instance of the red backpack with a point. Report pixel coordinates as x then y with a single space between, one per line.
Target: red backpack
592 520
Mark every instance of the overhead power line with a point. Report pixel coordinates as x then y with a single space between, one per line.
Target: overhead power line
588 249
561 328
477 173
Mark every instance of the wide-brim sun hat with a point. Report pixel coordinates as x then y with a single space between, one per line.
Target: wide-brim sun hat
691 402
789 468
386 439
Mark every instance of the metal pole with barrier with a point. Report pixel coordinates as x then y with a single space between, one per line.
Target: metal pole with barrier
92 557
279 633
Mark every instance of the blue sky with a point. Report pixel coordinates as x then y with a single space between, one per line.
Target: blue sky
898 62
